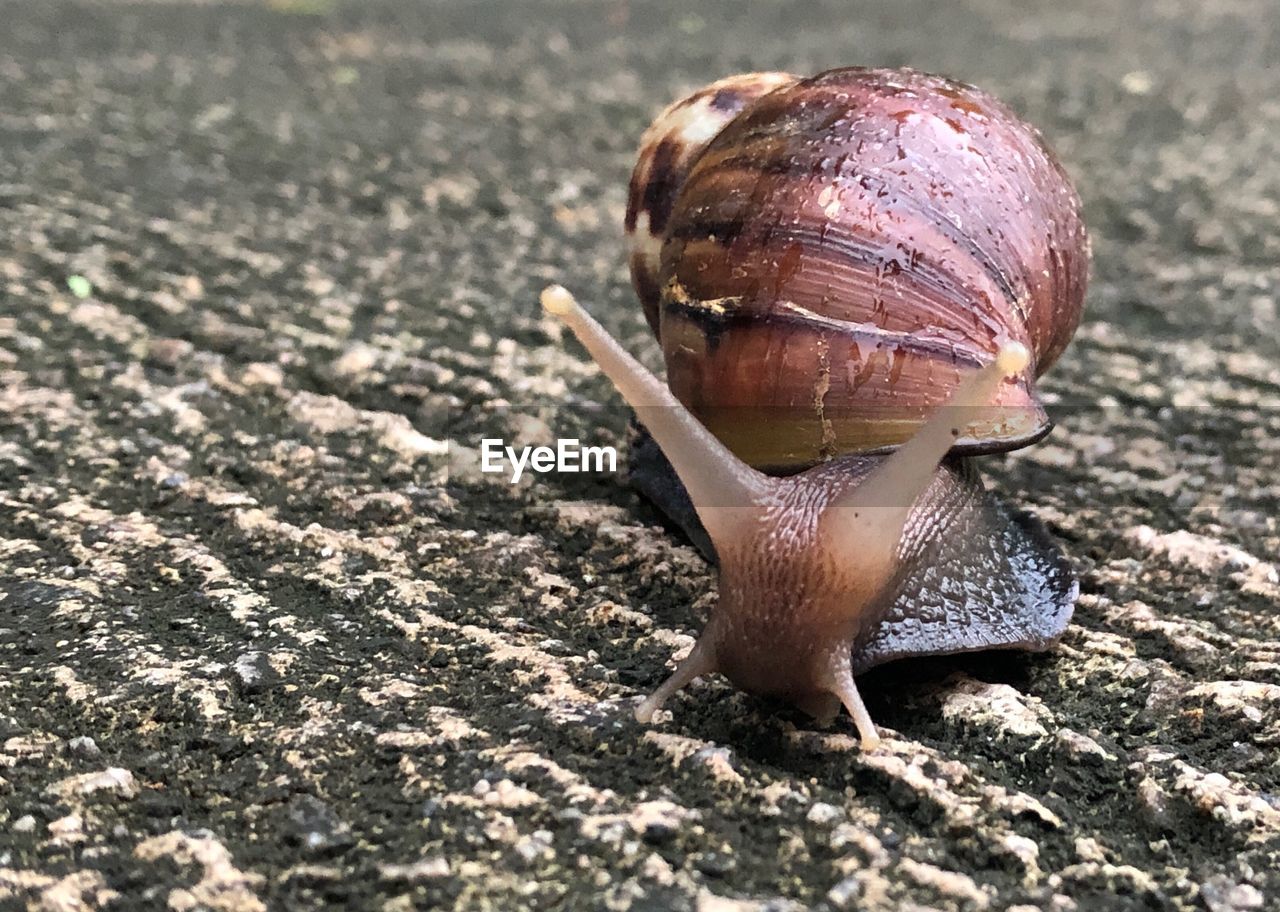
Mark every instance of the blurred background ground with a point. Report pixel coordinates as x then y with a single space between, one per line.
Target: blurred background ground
266 268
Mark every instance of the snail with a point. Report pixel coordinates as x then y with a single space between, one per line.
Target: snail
855 280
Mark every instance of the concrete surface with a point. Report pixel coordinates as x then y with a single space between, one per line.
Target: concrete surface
266 269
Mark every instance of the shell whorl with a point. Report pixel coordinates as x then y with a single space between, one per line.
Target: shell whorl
668 150
842 249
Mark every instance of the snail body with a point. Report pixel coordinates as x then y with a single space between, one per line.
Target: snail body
855 280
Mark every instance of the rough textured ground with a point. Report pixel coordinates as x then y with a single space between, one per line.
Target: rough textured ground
260 647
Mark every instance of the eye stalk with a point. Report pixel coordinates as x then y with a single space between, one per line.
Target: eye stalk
808 562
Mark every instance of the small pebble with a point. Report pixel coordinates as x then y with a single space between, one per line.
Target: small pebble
824 814
84 746
845 894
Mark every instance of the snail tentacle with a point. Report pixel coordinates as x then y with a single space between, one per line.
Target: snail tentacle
844 687
868 519
726 491
699 662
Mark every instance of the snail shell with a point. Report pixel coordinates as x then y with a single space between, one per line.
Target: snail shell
823 259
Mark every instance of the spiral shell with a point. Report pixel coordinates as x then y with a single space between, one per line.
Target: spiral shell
843 250
667 150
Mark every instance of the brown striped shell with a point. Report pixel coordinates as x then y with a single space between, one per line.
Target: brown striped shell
823 269
668 150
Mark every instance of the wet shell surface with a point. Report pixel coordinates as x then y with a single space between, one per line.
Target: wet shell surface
836 256
668 149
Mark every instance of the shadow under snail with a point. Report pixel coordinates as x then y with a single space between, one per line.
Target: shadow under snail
855 279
